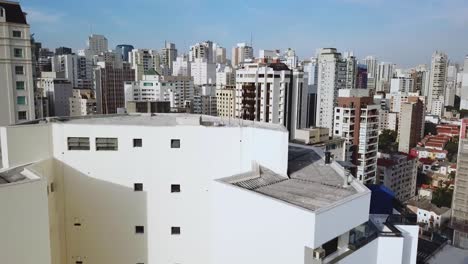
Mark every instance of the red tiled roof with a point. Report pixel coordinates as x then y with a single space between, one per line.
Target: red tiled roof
426 161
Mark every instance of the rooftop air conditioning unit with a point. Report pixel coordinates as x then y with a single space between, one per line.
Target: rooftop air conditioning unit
319 253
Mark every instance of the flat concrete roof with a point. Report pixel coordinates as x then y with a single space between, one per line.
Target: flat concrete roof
166 119
311 184
12 175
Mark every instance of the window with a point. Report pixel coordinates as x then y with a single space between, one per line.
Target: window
175 188
106 144
21 100
138 187
175 143
78 143
20 85
16 34
22 115
331 246
137 142
18 53
19 70
147 84
175 230
79 262
139 229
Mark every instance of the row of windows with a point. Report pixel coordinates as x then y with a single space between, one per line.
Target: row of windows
175 230
106 144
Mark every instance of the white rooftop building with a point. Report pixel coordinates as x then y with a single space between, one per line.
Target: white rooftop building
139 189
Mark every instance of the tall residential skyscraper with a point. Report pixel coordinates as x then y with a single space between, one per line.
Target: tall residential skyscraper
460 194
384 75
241 53
181 66
451 85
219 54
401 84
143 60
271 93
464 85
331 78
168 55
411 124
202 50
203 72
57 90
109 79
76 69
437 82
16 72
351 72
97 44
356 120
371 63
123 50
420 75
311 71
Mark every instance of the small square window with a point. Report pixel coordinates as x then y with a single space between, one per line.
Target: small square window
20 85
19 70
16 34
175 143
175 230
79 262
175 188
138 187
139 229
137 143
22 115
21 100
18 53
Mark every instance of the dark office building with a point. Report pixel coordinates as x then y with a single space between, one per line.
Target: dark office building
63 51
123 50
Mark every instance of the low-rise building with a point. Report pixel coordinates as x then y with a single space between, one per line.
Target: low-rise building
448 130
83 102
312 135
422 152
148 107
398 172
428 214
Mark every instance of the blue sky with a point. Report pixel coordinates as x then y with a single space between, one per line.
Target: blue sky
405 32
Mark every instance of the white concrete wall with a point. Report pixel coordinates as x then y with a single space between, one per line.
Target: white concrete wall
223 151
365 255
24 225
271 231
410 242
334 221
390 250
24 144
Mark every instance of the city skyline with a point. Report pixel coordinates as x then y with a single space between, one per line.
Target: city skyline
394 32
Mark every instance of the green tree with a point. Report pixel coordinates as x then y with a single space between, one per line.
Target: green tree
387 141
452 150
442 197
430 128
